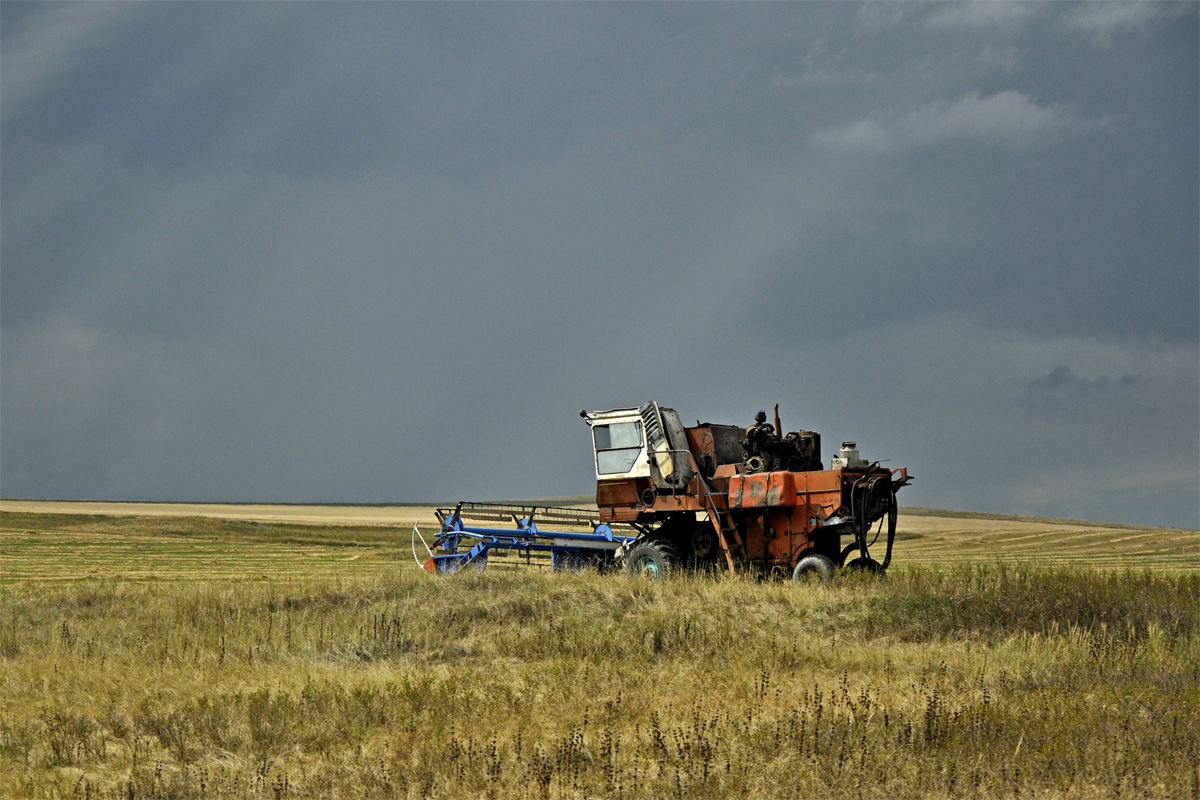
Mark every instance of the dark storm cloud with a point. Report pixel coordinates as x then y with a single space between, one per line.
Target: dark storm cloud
1062 390
366 252
1063 383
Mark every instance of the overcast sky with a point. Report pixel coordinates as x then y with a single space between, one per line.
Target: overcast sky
343 252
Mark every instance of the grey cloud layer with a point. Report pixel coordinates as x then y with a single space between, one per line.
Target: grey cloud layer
365 252
1008 118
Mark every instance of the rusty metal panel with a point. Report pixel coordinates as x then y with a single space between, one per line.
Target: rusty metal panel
820 492
824 481
804 518
617 493
762 490
726 471
677 502
754 538
722 442
778 534
734 498
781 489
748 491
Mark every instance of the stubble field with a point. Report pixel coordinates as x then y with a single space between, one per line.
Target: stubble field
254 651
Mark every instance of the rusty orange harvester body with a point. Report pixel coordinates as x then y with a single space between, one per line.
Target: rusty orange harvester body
747 499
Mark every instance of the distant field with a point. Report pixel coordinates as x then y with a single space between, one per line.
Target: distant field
931 536
70 547
54 541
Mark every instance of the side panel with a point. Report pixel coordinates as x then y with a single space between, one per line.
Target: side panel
722 442
771 536
823 490
781 512
823 481
762 490
618 500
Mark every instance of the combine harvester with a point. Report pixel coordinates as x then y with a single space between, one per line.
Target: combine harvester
708 497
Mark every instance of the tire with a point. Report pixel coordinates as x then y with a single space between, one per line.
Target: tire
702 544
652 559
560 562
576 561
476 564
867 565
813 569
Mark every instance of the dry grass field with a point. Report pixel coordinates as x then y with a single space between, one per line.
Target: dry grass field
267 651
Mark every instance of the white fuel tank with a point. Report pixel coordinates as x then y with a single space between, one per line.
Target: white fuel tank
848 457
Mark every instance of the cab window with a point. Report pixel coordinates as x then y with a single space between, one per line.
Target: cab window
617 447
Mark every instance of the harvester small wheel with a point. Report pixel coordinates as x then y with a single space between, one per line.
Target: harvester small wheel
813 569
453 565
652 559
476 564
867 565
703 544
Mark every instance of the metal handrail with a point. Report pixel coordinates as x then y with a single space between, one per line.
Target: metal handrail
417 535
517 512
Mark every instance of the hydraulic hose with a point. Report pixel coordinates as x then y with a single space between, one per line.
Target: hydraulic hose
893 513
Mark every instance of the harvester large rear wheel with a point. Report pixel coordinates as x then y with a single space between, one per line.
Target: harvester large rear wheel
652 559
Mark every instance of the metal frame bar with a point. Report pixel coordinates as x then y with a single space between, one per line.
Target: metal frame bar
527 538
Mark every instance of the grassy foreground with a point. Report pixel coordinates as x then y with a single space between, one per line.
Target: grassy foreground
970 681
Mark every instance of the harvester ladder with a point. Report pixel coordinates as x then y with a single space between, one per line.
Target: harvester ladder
731 544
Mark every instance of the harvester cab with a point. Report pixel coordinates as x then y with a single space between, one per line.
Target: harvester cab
645 443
